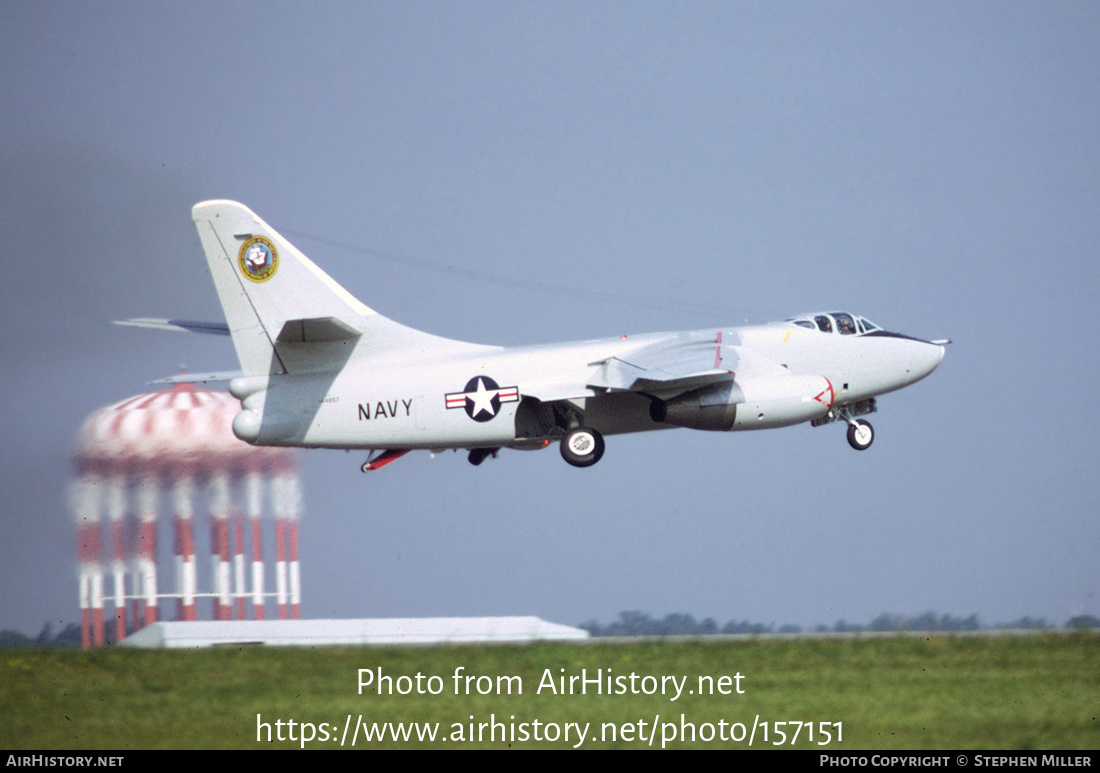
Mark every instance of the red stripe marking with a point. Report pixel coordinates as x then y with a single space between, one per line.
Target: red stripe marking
830 390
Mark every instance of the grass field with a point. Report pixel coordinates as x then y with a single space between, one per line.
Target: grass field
966 692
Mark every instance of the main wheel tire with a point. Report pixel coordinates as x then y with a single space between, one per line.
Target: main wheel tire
861 435
582 447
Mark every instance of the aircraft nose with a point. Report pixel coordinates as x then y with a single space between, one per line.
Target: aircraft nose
927 359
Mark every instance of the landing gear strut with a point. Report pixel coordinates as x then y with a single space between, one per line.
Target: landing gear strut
582 447
860 434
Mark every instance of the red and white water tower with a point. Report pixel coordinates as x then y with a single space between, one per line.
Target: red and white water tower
174 452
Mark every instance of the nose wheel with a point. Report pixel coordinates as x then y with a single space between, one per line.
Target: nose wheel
860 434
582 447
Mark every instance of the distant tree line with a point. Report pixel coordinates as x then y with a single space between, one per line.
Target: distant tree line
69 636
635 623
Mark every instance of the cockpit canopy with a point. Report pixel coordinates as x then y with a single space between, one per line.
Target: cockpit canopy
839 322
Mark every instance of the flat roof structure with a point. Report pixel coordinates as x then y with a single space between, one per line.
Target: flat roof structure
332 633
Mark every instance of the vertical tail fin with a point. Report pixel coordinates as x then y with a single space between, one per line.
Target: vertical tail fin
285 314
273 295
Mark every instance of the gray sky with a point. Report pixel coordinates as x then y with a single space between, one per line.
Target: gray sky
618 168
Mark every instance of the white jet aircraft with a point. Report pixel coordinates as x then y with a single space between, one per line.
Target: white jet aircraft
322 370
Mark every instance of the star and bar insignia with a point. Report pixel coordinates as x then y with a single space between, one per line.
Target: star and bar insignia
482 398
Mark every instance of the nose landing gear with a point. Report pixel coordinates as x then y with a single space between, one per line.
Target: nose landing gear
860 434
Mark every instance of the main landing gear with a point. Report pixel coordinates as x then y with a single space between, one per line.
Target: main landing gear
582 447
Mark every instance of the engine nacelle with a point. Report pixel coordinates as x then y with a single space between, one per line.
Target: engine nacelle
784 400
711 407
752 404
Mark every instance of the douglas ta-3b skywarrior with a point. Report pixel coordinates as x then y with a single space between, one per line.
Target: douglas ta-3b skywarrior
322 370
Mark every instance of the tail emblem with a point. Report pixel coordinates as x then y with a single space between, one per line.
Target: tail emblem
258 259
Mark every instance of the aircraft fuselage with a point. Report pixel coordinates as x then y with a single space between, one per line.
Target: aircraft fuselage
478 398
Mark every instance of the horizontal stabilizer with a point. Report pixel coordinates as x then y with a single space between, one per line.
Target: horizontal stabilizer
177 325
316 331
199 378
